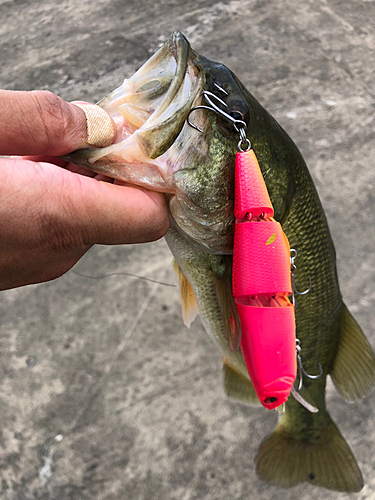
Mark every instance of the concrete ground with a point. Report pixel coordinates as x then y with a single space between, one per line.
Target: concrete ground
105 394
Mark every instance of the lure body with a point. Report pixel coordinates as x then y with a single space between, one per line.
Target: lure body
261 284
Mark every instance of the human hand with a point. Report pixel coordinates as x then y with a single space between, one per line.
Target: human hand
52 212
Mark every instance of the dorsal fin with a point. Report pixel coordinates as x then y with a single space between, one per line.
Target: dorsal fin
189 304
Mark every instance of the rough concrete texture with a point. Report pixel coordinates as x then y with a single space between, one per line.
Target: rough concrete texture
105 394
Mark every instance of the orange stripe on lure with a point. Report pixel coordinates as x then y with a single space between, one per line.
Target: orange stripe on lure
261 284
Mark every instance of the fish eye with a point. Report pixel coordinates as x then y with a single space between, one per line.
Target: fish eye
237 115
237 112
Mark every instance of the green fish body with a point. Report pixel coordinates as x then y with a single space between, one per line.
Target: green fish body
161 151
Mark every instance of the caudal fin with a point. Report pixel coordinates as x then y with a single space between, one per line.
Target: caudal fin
328 462
353 371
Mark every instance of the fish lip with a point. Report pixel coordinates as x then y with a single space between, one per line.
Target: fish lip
167 126
179 48
176 42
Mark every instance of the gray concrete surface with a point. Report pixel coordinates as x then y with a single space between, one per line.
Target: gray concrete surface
104 393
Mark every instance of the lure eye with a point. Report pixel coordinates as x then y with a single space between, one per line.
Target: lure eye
270 400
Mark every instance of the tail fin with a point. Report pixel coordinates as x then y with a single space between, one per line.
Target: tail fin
328 462
353 371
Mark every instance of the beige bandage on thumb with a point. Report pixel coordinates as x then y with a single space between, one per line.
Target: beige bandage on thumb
100 126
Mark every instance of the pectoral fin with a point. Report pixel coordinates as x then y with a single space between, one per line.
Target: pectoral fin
223 288
353 371
189 304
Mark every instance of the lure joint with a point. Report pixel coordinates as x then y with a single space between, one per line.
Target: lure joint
263 216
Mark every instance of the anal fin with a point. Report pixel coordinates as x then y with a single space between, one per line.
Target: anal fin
189 304
328 461
238 387
353 372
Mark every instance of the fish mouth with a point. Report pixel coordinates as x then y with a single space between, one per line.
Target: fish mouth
149 111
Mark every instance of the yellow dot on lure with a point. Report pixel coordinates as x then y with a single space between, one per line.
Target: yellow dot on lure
271 239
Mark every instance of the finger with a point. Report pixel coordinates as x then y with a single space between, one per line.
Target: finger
41 123
104 178
101 129
50 217
81 210
112 214
154 195
59 162
55 160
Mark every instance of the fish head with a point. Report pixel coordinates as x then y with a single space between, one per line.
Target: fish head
149 110
167 142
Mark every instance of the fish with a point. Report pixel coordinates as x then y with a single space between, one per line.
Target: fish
169 141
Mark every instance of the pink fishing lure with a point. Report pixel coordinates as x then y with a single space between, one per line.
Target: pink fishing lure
261 284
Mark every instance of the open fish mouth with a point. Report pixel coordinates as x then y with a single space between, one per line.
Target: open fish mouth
149 110
156 147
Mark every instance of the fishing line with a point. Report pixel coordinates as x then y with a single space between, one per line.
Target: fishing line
123 274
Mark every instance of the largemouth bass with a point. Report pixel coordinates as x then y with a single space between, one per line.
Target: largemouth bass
194 166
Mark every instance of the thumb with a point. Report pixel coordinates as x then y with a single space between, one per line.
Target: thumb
112 214
41 123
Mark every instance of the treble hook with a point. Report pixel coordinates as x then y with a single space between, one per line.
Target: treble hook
297 396
238 124
293 269
221 89
301 370
278 411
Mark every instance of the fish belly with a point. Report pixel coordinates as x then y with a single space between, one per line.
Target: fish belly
203 272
